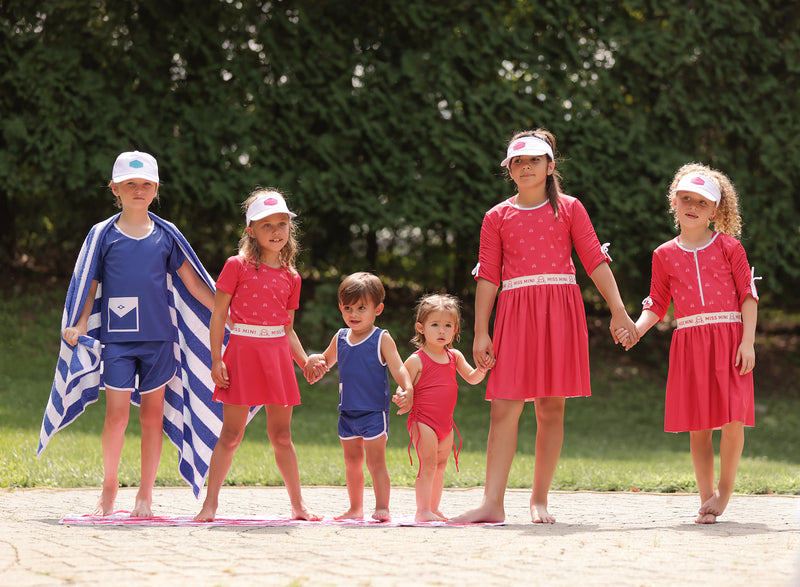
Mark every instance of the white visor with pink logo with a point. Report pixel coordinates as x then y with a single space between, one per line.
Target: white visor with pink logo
532 146
267 205
700 184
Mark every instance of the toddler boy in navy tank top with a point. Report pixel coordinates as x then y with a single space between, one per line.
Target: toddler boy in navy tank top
365 354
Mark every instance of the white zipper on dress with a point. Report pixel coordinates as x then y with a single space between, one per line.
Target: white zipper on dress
699 279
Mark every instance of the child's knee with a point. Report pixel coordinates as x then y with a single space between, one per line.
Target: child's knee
116 420
151 419
229 439
376 461
280 438
550 411
428 467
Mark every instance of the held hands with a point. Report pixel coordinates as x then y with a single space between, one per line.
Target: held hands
624 331
483 352
403 399
315 368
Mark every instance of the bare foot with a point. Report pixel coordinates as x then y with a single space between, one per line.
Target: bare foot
428 516
716 504
706 519
105 505
483 513
381 515
304 513
207 513
142 507
351 514
440 514
540 515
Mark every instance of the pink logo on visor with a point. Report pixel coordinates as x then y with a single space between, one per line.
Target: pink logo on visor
519 145
270 202
698 181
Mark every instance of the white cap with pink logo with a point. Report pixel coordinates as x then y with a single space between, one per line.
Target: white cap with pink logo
701 185
533 146
267 205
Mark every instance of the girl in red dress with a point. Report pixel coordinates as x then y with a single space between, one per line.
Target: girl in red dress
540 350
261 289
433 371
706 275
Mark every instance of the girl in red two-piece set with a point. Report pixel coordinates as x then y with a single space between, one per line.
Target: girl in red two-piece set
259 289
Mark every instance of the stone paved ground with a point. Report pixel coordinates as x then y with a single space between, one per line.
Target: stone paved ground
600 539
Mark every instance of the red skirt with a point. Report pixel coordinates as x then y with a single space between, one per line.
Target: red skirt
704 388
541 343
261 371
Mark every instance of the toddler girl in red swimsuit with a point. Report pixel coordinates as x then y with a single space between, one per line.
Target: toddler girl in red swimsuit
433 371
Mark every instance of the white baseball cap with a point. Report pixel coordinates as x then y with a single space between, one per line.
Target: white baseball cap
533 146
267 205
700 184
135 164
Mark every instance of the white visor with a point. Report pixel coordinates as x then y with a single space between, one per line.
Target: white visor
532 146
700 184
267 205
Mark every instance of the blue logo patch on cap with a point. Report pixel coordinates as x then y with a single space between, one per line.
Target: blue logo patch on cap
136 164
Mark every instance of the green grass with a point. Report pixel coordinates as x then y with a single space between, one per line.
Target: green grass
614 440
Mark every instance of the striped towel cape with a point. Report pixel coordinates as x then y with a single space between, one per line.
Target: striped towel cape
192 421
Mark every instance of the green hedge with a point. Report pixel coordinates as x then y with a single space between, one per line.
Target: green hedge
384 122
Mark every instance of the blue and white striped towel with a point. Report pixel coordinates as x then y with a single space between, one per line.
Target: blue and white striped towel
192 421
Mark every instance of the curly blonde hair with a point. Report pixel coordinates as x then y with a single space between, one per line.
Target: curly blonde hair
726 216
436 303
248 246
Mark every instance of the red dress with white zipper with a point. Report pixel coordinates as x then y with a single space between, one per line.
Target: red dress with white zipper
707 287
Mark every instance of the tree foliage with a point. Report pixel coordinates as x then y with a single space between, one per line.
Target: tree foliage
384 122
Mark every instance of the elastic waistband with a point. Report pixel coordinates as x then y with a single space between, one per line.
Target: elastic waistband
258 331
544 279
712 318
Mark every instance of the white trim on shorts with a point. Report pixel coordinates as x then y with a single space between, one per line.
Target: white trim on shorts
384 433
145 392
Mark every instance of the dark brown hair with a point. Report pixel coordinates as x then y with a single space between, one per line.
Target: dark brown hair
361 286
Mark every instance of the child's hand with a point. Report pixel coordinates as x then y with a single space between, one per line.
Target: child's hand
623 324
745 358
315 368
624 338
219 373
72 333
403 401
483 352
